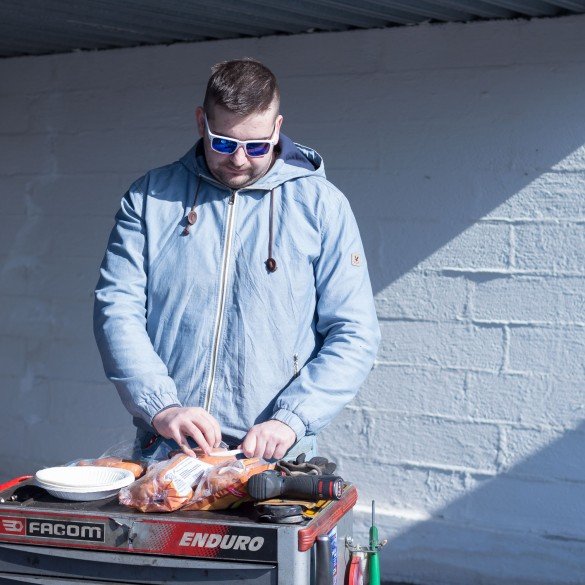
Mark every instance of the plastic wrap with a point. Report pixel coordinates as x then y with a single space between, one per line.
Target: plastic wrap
166 486
120 455
224 486
205 482
138 468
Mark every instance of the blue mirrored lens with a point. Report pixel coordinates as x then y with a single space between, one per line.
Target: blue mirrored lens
257 148
224 146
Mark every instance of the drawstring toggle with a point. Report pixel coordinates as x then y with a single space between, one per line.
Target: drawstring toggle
192 215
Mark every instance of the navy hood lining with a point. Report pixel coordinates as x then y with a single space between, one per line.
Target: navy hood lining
289 153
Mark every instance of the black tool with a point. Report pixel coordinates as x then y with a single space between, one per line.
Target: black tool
279 514
271 484
30 491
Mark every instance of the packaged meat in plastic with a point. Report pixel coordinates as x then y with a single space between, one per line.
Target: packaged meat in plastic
138 468
224 486
124 455
166 486
216 457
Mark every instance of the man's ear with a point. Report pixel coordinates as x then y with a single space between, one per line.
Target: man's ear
277 126
200 118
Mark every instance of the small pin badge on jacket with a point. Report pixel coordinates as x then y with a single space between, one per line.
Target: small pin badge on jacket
356 259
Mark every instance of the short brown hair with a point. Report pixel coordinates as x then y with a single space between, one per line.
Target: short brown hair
242 86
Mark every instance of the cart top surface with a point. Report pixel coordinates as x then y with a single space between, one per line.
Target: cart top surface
29 497
29 515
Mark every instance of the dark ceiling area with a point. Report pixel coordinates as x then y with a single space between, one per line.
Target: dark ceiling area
41 27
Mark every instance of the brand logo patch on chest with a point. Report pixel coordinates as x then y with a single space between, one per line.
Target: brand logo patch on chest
356 259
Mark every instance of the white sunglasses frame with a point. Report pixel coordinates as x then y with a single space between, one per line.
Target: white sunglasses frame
239 143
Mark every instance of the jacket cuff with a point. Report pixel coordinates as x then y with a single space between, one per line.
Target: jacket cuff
164 408
150 407
288 417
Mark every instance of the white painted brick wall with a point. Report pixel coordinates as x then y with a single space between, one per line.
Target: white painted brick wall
462 151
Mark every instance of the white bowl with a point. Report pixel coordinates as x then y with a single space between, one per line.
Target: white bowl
86 489
86 496
83 484
89 477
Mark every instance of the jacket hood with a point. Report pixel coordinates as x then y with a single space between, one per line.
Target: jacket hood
293 162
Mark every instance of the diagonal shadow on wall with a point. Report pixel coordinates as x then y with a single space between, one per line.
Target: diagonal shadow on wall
523 526
478 183
484 149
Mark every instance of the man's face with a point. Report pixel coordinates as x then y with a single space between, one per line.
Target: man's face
239 170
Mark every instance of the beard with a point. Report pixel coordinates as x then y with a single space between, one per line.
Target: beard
238 178
235 181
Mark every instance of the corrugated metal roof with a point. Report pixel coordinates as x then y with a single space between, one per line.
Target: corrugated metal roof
38 27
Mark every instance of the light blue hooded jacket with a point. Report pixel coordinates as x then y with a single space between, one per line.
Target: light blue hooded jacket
197 319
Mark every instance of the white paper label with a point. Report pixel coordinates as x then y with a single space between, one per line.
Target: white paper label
186 474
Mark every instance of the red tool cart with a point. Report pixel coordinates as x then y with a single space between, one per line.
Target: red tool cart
44 540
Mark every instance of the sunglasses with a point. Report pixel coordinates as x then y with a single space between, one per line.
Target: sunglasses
225 145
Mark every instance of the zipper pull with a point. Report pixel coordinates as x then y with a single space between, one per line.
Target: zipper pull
232 198
296 365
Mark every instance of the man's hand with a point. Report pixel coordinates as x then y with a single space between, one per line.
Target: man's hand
270 440
181 422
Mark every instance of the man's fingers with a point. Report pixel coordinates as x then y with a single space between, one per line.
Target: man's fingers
210 428
217 431
260 449
182 441
248 445
186 449
207 425
195 433
280 451
207 432
214 429
270 440
269 450
181 423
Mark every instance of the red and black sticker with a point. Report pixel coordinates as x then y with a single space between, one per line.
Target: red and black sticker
213 541
12 526
164 537
49 528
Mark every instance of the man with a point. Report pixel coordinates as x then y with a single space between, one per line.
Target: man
234 301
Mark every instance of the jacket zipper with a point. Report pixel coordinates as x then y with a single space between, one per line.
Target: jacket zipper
296 365
221 299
